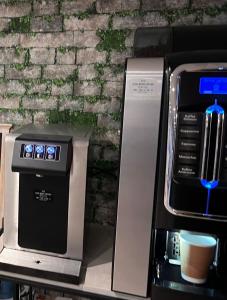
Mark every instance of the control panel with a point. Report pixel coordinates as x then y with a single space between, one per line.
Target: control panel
40 151
188 144
198 135
42 154
200 132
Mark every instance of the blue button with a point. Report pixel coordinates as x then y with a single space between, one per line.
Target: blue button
51 150
29 148
39 149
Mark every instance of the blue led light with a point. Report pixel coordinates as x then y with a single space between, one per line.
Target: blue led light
215 108
50 150
209 184
39 149
29 148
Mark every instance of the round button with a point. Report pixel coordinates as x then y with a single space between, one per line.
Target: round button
29 148
50 150
39 149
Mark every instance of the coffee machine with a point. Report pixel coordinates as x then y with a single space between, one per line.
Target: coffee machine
44 201
191 186
173 161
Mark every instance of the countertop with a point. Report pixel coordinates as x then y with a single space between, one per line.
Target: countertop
96 273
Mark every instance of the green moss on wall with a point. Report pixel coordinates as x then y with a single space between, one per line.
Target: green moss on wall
76 118
73 77
21 24
173 15
112 40
100 69
59 82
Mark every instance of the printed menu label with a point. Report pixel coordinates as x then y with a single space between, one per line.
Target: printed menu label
144 87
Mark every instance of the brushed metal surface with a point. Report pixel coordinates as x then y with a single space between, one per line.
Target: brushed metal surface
4 129
47 263
77 187
11 195
172 124
137 175
81 133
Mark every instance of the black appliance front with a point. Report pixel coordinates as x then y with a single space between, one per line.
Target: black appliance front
191 182
195 200
201 144
43 163
43 212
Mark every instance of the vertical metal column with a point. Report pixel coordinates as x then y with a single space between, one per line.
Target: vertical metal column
137 174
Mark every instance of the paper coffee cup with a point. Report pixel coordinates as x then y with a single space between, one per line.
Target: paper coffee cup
196 253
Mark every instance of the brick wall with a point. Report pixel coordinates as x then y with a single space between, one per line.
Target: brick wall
63 61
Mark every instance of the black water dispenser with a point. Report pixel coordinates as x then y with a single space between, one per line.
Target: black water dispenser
44 201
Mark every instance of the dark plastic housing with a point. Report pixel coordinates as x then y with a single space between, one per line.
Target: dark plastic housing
59 166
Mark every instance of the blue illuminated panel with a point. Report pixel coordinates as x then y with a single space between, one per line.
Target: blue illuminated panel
28 151
213 85
39 151
51 152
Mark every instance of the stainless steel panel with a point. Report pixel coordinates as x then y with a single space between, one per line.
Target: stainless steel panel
172 123
81 133
11 194
40 262
77 187
4 129
137 175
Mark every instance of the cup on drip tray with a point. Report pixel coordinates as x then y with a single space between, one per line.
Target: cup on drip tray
196 254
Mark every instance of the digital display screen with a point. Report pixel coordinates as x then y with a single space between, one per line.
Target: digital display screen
38 151
213 85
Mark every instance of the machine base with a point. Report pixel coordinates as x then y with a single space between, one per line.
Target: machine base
169 284
39 265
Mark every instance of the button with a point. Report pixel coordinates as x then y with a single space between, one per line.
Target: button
187 158
189 132
188 145
190 118
28 148
39 151
186 171
50 152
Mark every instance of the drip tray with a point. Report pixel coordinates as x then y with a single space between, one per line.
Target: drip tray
40 265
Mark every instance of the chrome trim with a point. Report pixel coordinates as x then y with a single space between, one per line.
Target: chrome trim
218 146
205 155
172 122
206 146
